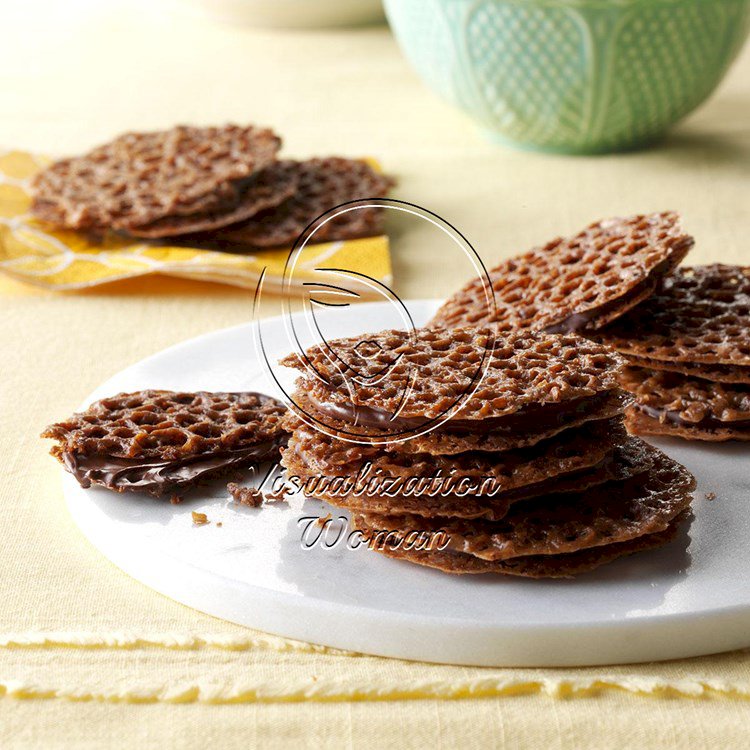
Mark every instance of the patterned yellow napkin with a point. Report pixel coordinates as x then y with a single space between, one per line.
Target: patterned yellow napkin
33 252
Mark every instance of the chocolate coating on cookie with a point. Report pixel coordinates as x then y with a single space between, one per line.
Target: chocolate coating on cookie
161 441
257 193
669 403
310 454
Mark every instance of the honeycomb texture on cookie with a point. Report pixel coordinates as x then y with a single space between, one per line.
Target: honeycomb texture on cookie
629 458
322 184
263 190
443 440
690 399
530 566
140 177
580 282
468 373
719 373
701 315
310 454
599 516
170 425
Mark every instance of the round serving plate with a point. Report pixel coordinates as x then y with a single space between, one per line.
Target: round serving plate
259 569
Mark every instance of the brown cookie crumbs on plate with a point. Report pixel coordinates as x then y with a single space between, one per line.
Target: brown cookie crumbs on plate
162 441
139 178
251 496
199 519
277 496
579 283
322 185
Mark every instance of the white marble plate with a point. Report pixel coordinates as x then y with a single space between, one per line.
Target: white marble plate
690 598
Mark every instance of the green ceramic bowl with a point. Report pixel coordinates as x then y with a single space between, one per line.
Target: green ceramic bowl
576 76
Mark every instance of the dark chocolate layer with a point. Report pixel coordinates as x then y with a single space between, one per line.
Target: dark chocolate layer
534 418
158 476
709 422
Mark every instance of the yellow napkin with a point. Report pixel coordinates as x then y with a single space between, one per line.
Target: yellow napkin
33 252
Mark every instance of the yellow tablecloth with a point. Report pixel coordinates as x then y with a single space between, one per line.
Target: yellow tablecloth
87 655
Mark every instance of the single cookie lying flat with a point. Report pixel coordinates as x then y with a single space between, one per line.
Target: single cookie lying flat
468 381
139 178
162 441
322 184
669 403
575 284
698 324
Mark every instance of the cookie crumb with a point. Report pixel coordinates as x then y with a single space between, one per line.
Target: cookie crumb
323 521
175 499
200 519
219 524
278 496
245 495
710 496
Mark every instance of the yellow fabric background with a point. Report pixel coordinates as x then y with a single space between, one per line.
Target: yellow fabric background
89 657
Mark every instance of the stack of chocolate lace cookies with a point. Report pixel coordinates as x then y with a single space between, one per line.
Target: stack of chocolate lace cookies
688 350
220 186
498 453
162 442
682 330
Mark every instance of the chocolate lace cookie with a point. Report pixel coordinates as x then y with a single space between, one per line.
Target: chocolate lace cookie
399 380
263 190
162 441
322 462
139 178
668 403
322 184
525 429
698 324
603 515
531 566
578 283
630 457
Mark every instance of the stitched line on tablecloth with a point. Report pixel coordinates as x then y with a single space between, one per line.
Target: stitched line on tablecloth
171 641
564 689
